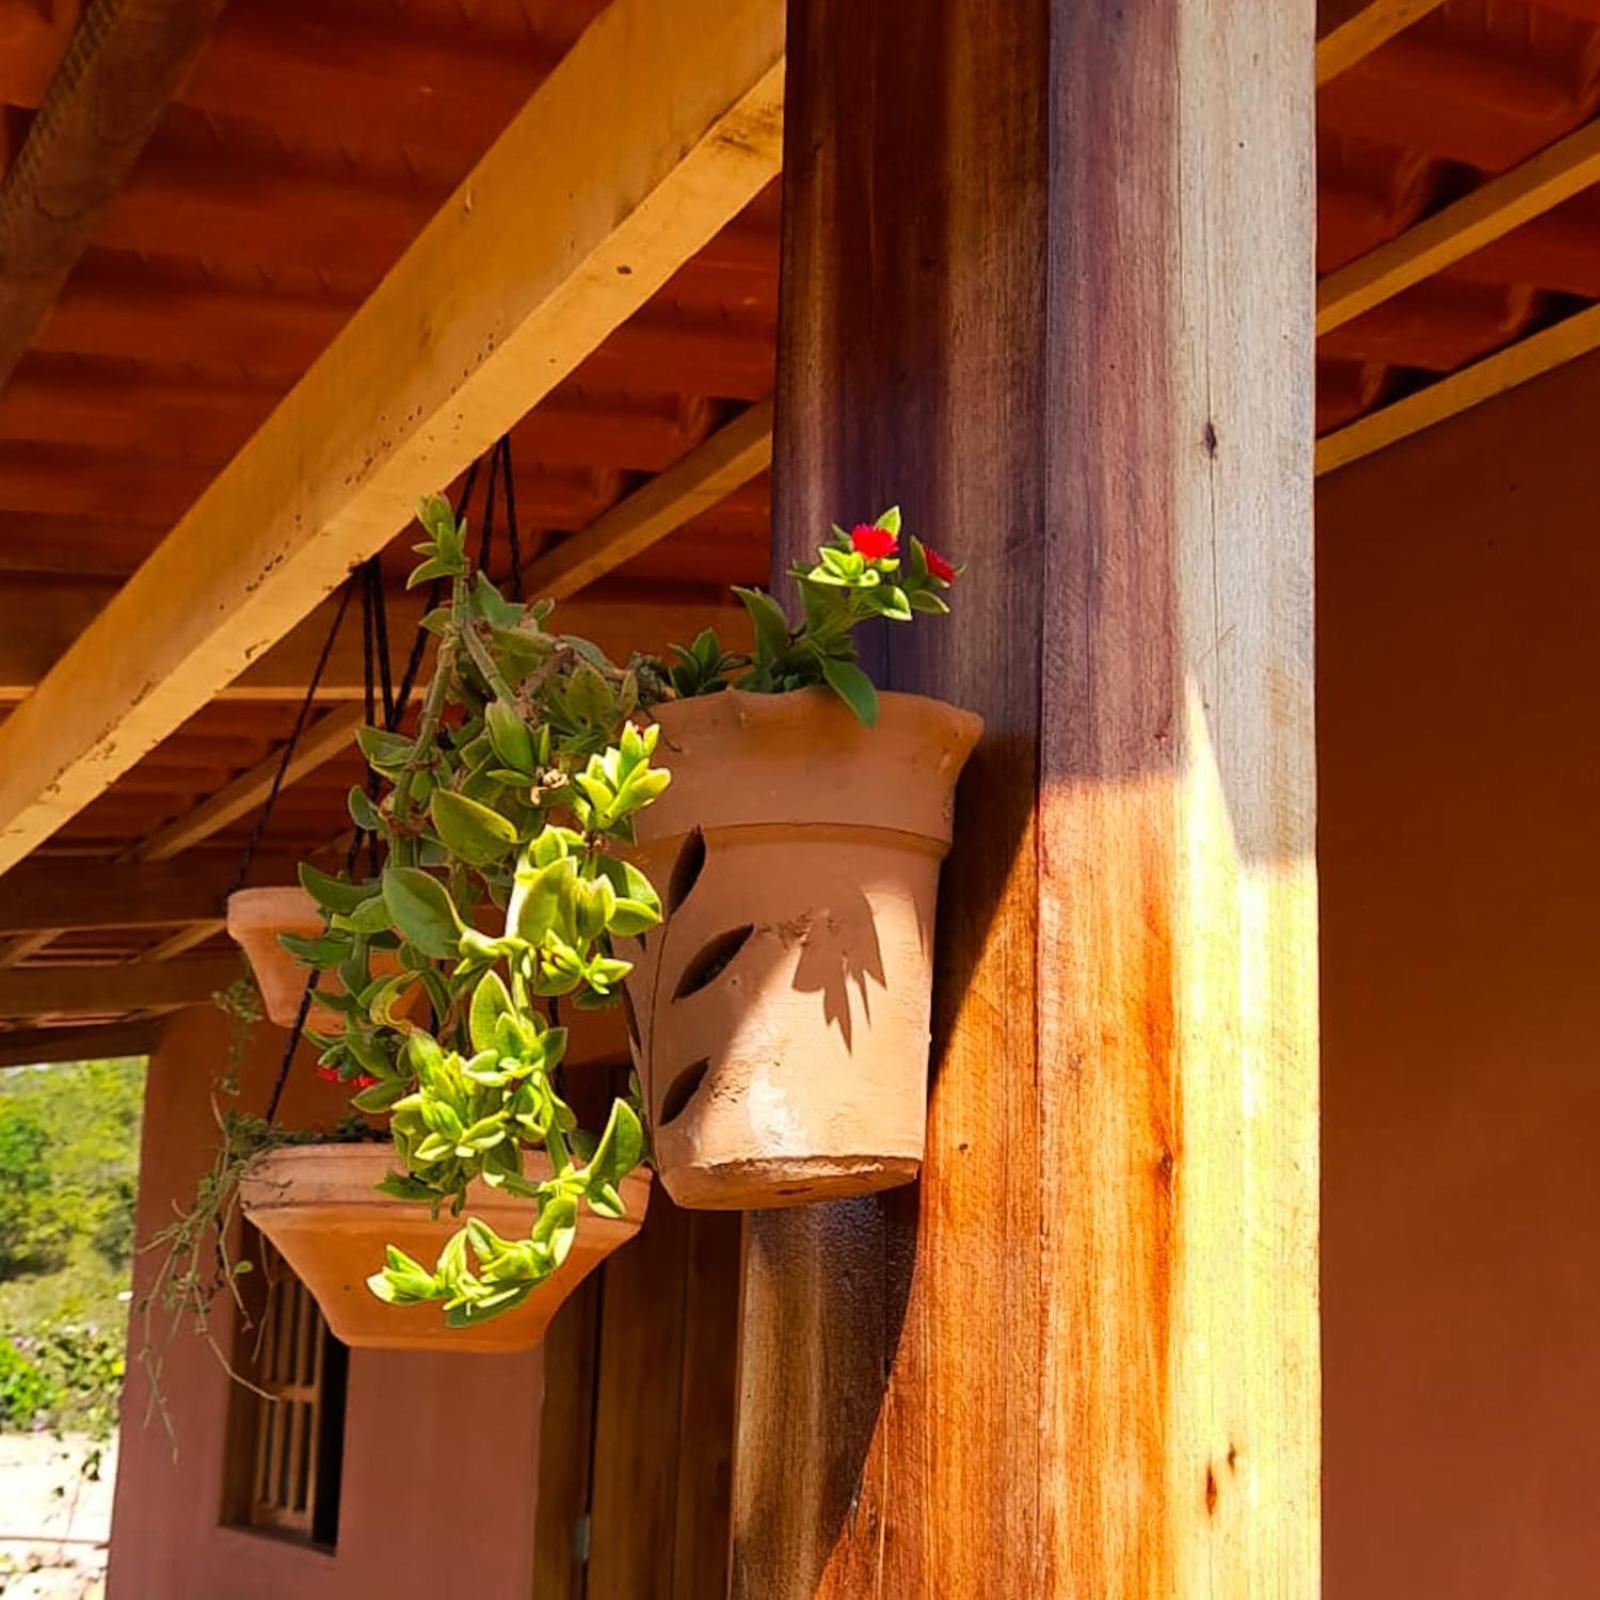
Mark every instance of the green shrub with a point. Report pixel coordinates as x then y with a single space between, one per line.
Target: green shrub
26 1393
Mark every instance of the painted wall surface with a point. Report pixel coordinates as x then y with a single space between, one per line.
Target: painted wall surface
1459 749
441 1452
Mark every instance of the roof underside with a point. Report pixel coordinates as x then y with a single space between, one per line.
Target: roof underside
311 143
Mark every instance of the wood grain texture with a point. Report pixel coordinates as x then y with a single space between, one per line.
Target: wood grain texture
125 61
1063 316
37 1046
658 126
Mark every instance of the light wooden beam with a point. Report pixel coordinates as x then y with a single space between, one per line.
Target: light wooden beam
101 991
1447 397
44 1046
660 124
1501 205
46 894
123 64
730 458
1350 30
326 738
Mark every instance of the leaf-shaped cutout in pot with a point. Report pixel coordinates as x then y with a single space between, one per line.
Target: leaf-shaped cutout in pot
681 1090
711 960
631 1017
686 870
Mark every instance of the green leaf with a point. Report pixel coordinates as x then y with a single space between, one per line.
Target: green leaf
540 898
473 832
362 811
589 697
854 687
490 1002
509 734
771 625
383 750
927 600
326 951
380 1097
421 908
620 1150
890 521
371 916
333 894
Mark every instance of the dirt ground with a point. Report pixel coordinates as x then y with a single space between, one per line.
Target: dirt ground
54 1522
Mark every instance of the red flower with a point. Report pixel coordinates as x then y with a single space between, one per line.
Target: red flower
939 567
328 1074
873 542
364 1080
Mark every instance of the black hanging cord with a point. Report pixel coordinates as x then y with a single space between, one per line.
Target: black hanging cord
376 677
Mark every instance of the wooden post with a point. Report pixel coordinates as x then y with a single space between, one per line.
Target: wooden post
1048 284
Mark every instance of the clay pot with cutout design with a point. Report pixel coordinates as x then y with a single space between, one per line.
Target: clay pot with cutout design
780 1013
320 1206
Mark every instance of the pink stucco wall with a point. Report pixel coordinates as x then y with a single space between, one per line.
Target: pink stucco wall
1459 731
441 1452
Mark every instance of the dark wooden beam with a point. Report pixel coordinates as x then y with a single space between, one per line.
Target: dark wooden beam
23 1047
1063 316
43 619
106 991
39 895
123 64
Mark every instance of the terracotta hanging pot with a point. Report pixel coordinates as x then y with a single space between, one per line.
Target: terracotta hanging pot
320 1206
255 919
780 1014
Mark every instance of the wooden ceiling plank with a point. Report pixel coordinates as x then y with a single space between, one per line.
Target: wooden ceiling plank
1483 380
1488 213
123 64
1349 31
25 1047
659 126
728 460
102 991
61 896
324 739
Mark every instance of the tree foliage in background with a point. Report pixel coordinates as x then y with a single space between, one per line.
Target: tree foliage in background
69 1162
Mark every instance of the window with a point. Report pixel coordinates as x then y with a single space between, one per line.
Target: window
286 1442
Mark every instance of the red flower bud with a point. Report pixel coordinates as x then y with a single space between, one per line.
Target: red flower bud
939 567
873 542
364 1080
328 1074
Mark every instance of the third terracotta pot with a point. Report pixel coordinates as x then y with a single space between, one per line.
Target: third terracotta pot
780 1014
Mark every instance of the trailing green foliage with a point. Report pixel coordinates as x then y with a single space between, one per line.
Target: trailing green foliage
507 817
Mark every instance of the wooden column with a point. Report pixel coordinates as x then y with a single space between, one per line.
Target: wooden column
1048 285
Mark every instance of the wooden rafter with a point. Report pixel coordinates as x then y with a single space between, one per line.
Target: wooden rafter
38 634
1488 213
1483 380
660 124
123 64
320 743
42 895
730 458
37 1046
1350 30
103 991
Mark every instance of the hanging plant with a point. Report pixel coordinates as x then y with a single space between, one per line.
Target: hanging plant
523 881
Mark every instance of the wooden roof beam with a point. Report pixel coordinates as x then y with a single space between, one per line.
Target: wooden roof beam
93 991
728 460
1488 213
661 123
122 66
39 633
1348 31
45 895
1529 358
27 1047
